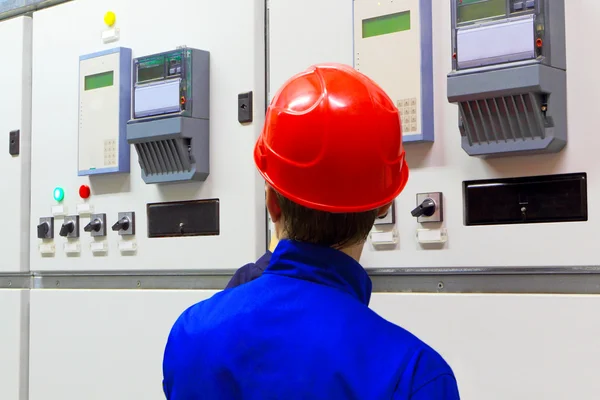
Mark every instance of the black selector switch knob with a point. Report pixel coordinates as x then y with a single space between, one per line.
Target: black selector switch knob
93 226
42 230
425 209
121 225
67 228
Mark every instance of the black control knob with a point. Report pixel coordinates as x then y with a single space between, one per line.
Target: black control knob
93 226
42 230
425 209
122 224
66 228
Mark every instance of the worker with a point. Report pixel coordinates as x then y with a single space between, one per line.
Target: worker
331 154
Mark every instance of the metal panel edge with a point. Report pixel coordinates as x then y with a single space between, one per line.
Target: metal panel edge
427 106
525 280
15 12
26 124
15 281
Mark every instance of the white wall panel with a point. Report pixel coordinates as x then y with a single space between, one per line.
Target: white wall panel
109 343
14 306
517 347
102 344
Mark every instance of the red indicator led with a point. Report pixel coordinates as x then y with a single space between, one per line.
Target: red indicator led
84 191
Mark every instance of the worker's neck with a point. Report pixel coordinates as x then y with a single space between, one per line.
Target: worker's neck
354 251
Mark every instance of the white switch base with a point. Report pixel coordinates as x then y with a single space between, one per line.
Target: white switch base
59 211
127 246
85 209
111 35
47 248
72 248
384 238
99 247
425 236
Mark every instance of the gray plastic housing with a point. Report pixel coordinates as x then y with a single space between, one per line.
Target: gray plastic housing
519 107
172 149
500 111
175 147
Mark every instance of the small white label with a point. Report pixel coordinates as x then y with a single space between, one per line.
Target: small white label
72 248
127 246
111 35
59 211
47 248
432 235
99 247
379 238
85 209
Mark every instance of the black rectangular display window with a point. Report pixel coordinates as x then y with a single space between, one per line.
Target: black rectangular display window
536 199
183 218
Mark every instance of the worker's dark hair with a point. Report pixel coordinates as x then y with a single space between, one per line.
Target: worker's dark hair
338 230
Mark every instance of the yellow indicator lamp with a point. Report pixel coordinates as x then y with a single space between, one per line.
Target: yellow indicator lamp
110 18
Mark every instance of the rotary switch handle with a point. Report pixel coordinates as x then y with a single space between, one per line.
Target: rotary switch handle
67 228
122 224
426 208
93 226
42 230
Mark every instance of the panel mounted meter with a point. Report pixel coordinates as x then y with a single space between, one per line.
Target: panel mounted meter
509 75
393 46
104 109
170 124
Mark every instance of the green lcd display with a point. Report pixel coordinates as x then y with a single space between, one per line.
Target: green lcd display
100 80
151 68
472 10
385 24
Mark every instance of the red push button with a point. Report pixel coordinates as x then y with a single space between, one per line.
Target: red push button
84 191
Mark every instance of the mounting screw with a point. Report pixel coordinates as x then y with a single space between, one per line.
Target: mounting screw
440 285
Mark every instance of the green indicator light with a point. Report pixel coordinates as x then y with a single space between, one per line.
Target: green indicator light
59 194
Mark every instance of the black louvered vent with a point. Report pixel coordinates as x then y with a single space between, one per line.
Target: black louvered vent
165 156
503 119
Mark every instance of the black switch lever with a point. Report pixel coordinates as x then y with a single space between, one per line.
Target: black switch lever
425 209
122 224
93 226
67 228
42 230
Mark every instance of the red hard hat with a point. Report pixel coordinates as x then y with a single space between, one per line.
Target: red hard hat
332 141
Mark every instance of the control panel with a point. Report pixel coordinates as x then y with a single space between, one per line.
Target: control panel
509 75
393 46
104 109
170 124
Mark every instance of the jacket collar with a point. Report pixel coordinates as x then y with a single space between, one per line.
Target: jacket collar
322 265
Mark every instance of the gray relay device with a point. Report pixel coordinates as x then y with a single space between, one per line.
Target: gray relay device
509 76
170 123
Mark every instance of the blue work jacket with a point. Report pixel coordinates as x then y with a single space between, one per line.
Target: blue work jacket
303 330
250 272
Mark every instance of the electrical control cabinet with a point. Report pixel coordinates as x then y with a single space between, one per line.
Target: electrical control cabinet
104 109
170 124
509 75
393 46
171 96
